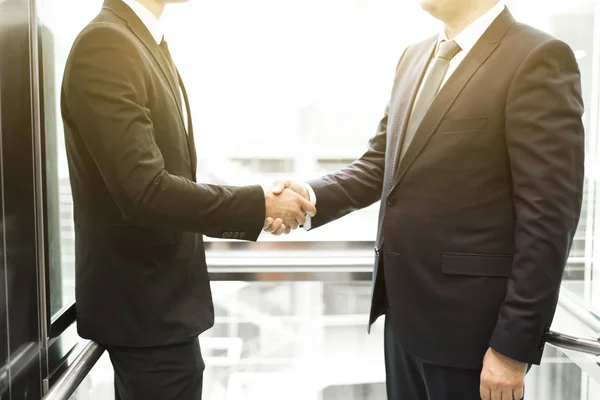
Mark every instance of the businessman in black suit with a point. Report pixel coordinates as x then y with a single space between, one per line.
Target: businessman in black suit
142 285
479 163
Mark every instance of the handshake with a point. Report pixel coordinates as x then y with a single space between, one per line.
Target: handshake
287 205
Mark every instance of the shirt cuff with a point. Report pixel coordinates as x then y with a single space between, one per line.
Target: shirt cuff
312 197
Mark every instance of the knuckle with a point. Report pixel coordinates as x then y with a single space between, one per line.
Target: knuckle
495 384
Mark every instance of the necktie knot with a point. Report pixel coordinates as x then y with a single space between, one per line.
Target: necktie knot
448 49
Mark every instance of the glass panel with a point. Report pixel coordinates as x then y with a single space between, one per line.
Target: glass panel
290 110
57 36
558 378
308 341
99 384
293 340
290 91
272 98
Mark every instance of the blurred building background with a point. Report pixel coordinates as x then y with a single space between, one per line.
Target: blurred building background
283 88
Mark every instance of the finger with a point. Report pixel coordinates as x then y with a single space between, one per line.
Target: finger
268 222
308 207
288 230
484 392
301 220
269 228
292 223
279 231
497 394
507 394
298 216
274 226
299 188
279 186
518 393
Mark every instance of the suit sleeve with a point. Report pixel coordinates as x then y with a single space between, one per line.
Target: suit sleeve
106 94
545 142
356 186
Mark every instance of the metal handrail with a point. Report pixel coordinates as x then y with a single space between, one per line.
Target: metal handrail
20 364
76 373
568 342
579 310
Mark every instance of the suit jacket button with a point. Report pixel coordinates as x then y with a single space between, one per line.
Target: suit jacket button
377 252
391 200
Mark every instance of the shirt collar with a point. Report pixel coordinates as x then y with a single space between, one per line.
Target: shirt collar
472 33
148 19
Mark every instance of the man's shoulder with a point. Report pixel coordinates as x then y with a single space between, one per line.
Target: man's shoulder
416 49
526 37
424 44
105 31
105 23
104 42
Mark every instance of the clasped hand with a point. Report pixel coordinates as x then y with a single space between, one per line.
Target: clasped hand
287 204
501 377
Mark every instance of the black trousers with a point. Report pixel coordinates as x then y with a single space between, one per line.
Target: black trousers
407 378
158 373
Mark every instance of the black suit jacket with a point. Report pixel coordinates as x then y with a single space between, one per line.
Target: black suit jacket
478 217
141 275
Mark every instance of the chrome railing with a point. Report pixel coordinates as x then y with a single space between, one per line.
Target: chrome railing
579 310
562 341
310 261
76 373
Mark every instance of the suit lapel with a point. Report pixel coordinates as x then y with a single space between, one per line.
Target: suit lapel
414 73
139 29
450 91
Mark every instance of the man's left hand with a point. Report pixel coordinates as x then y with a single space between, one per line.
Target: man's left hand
502 378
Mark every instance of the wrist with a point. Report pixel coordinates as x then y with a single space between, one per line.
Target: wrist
509 362
311 195
266 190
268 193
305 193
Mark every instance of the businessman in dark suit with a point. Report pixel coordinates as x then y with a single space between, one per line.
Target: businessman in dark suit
479 163
142 285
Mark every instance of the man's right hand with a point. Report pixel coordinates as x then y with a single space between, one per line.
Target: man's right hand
298 187
285 209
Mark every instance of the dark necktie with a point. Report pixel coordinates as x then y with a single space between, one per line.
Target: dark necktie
173 74
429 89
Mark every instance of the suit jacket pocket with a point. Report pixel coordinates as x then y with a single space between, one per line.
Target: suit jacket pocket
128 236
461 125
491 265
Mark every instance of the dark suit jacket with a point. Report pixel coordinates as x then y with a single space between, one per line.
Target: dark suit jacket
139 214
477 219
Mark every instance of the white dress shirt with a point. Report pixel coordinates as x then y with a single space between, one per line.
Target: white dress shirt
153 25
466 40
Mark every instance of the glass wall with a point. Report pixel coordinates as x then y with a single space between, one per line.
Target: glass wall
307 341
295 89
283 88
61 21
